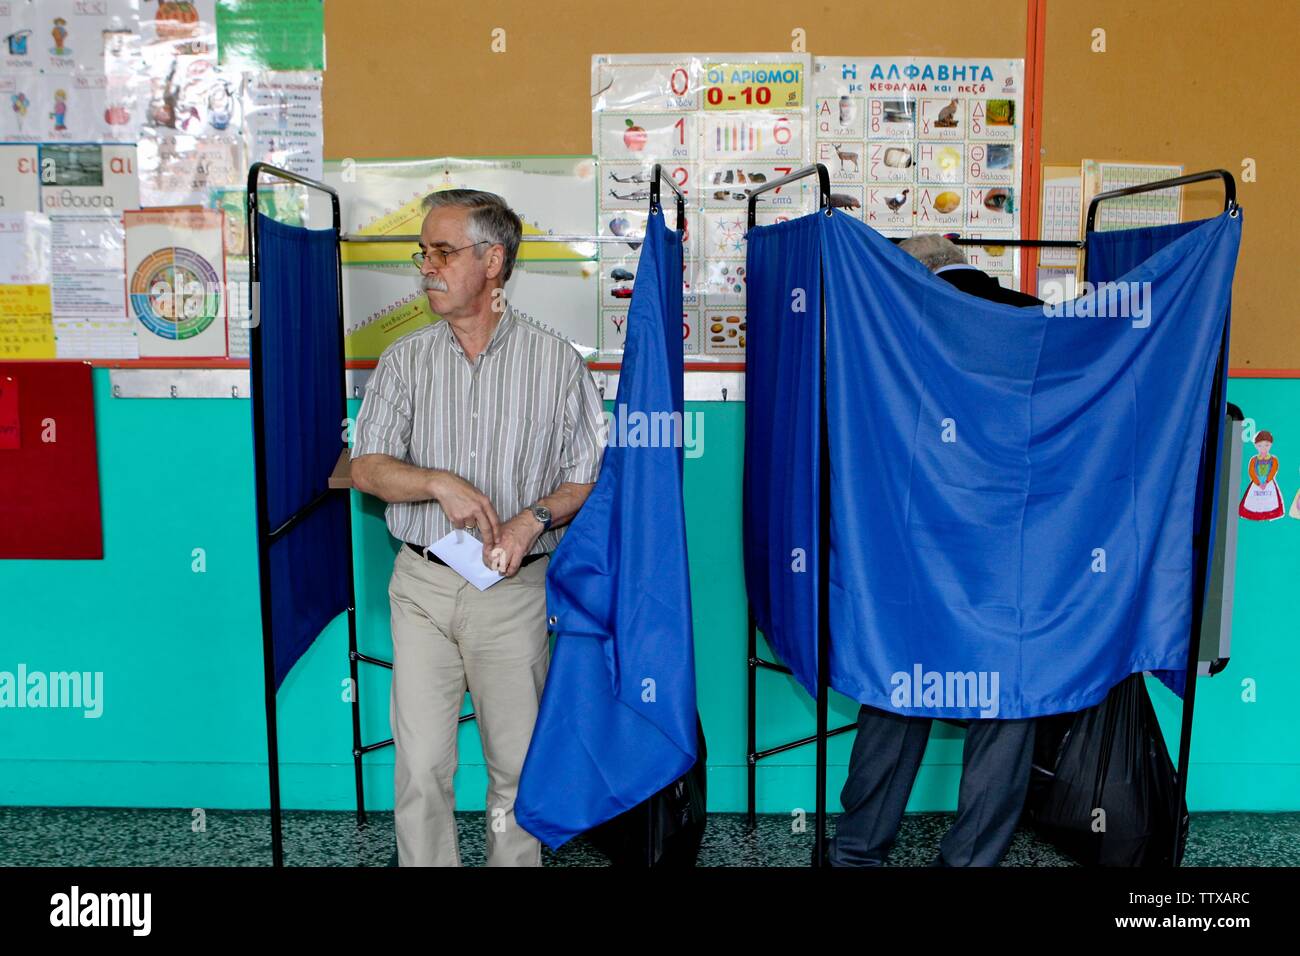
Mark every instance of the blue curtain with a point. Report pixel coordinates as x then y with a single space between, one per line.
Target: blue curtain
304 408
782 535
1010 489
1110 255
618 715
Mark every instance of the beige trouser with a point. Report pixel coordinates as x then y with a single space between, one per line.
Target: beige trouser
448 635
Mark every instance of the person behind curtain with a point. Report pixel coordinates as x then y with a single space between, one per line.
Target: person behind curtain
1262 500
486 422
888 749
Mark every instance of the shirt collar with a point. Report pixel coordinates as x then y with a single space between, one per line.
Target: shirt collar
504 325
954 265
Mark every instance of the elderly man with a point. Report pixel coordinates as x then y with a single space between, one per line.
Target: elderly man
482 421
888 749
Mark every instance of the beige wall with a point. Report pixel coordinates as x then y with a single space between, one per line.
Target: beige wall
1205 84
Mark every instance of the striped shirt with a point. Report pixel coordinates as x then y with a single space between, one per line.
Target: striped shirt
518 422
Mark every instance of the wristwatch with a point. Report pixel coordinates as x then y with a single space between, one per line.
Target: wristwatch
542 514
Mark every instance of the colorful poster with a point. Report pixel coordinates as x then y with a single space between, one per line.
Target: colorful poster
383 302
926 144
271 34
720 124
82 178
175 280
554 283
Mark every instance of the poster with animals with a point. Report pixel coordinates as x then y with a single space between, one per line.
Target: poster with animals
926 144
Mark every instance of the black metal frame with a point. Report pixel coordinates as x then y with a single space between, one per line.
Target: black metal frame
266 536
754 663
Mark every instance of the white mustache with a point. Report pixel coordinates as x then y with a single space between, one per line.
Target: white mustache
432 284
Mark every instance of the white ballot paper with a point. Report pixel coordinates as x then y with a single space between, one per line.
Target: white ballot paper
464 553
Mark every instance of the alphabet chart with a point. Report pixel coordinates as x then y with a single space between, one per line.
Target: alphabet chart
720 124
926 144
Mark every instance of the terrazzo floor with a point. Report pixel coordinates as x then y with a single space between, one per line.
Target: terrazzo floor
57 836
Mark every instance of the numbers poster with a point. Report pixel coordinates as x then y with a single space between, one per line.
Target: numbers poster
721 124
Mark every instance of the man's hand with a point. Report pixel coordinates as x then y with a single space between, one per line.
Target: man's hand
465 506
517 537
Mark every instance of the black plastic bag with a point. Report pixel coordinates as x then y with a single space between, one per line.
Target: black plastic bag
664 831
1111 758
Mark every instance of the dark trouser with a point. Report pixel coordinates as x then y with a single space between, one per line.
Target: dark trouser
886 756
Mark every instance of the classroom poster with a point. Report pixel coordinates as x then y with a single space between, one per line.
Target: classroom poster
720 124
926 144
1160 208
176 277
554 282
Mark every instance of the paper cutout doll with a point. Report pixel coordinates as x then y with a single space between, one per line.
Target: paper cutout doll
60 113
1262 500
60 33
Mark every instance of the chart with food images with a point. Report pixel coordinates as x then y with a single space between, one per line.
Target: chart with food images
721 124
926 144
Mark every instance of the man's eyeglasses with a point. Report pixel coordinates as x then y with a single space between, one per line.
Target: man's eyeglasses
439 257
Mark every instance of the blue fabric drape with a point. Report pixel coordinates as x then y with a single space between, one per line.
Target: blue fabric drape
1110 255
782 470
304 412
1011 490
617 721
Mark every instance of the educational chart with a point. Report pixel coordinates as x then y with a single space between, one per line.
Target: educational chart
721 124
926 144
1060 220
110 105
1159 208
554 282
176 278
84 189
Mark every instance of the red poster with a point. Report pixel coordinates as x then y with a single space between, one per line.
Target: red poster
49 470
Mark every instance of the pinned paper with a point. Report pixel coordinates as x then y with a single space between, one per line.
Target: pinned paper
464 554
26 325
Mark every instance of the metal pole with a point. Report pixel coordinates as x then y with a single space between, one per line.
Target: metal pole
263 521
751 758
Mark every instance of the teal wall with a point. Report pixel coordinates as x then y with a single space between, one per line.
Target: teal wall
182 659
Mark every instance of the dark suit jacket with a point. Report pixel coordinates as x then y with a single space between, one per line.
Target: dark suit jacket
981 284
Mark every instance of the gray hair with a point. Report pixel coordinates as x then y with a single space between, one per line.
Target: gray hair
491 220
933 250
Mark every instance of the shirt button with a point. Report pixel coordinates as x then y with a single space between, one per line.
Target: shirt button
475 415
471 454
